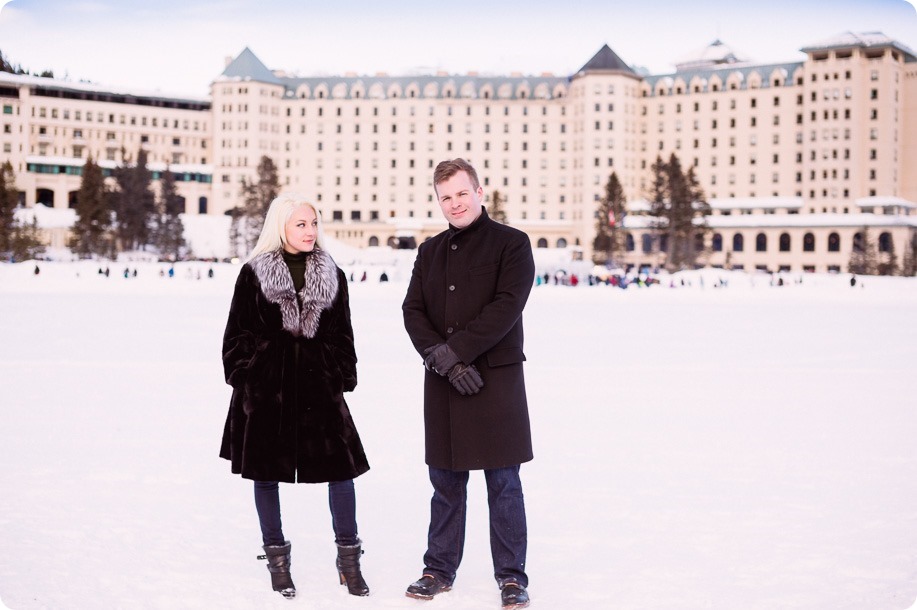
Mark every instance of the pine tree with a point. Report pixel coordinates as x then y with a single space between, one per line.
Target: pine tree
9 198
679 210
25 241
610 236
496 210
135 204
888 265
256 198
92 230
169 235
909 261
863 256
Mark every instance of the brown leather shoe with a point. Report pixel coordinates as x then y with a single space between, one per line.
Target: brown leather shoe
427 587
514 595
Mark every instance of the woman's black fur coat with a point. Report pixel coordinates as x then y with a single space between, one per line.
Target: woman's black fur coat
289 358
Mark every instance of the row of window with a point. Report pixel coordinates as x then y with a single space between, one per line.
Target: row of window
100 117
650 242
76 170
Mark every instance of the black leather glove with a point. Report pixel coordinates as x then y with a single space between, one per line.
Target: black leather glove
440 359
466 379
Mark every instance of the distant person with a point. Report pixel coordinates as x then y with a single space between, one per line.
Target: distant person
210 273
288 353
37 270
171 270
853 281
463 313
383 277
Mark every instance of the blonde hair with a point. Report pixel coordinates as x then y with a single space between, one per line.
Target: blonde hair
273 232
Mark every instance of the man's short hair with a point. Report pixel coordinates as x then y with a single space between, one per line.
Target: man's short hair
447 169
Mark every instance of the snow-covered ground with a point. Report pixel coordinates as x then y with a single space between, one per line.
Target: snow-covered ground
696 447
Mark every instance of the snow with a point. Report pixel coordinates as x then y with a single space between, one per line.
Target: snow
696 447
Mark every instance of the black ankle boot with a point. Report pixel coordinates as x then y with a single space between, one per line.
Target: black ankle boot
278 563
348 564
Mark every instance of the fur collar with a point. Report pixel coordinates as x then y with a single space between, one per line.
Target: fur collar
300 315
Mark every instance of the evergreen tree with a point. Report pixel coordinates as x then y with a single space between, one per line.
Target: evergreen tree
25 241
679 211
496 210
235 231
169 235
863 256
610 236
909 261
7 66
135 204
92 231
256 198
888 265
9 198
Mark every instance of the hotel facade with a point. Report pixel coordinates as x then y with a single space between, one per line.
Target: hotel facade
801 162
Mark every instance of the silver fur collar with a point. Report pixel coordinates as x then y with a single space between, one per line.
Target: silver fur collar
300 316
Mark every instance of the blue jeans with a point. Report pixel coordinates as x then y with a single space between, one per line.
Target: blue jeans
508 532
341 498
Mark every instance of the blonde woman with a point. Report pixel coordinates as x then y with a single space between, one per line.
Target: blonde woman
288 353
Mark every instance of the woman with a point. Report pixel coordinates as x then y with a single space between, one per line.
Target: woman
288 354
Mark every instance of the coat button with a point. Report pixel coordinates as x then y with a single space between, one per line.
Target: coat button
449 330
452 288
454 247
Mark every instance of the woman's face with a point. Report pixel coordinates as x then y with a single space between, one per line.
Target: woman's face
301 230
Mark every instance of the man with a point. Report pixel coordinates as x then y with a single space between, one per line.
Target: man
463 313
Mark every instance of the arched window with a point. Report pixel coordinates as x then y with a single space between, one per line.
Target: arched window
542 242
784 242
808 243
201 205
561 243
44 197
738 243
885 242
72 199
647 243
629 243
663 243
834 242
373 241
698 242
761 243
857 242
717 242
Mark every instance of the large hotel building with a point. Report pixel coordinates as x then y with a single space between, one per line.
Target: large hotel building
797 160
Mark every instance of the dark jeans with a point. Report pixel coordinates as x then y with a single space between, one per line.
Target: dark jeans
341 498
508 533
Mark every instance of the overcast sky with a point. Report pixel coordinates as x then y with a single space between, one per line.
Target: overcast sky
179 46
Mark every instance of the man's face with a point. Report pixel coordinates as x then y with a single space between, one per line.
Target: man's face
459 200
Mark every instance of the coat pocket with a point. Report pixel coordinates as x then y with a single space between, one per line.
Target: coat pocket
504 356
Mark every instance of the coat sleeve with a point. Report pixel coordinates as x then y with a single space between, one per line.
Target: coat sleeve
497 318
340 335
416 320
243 338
